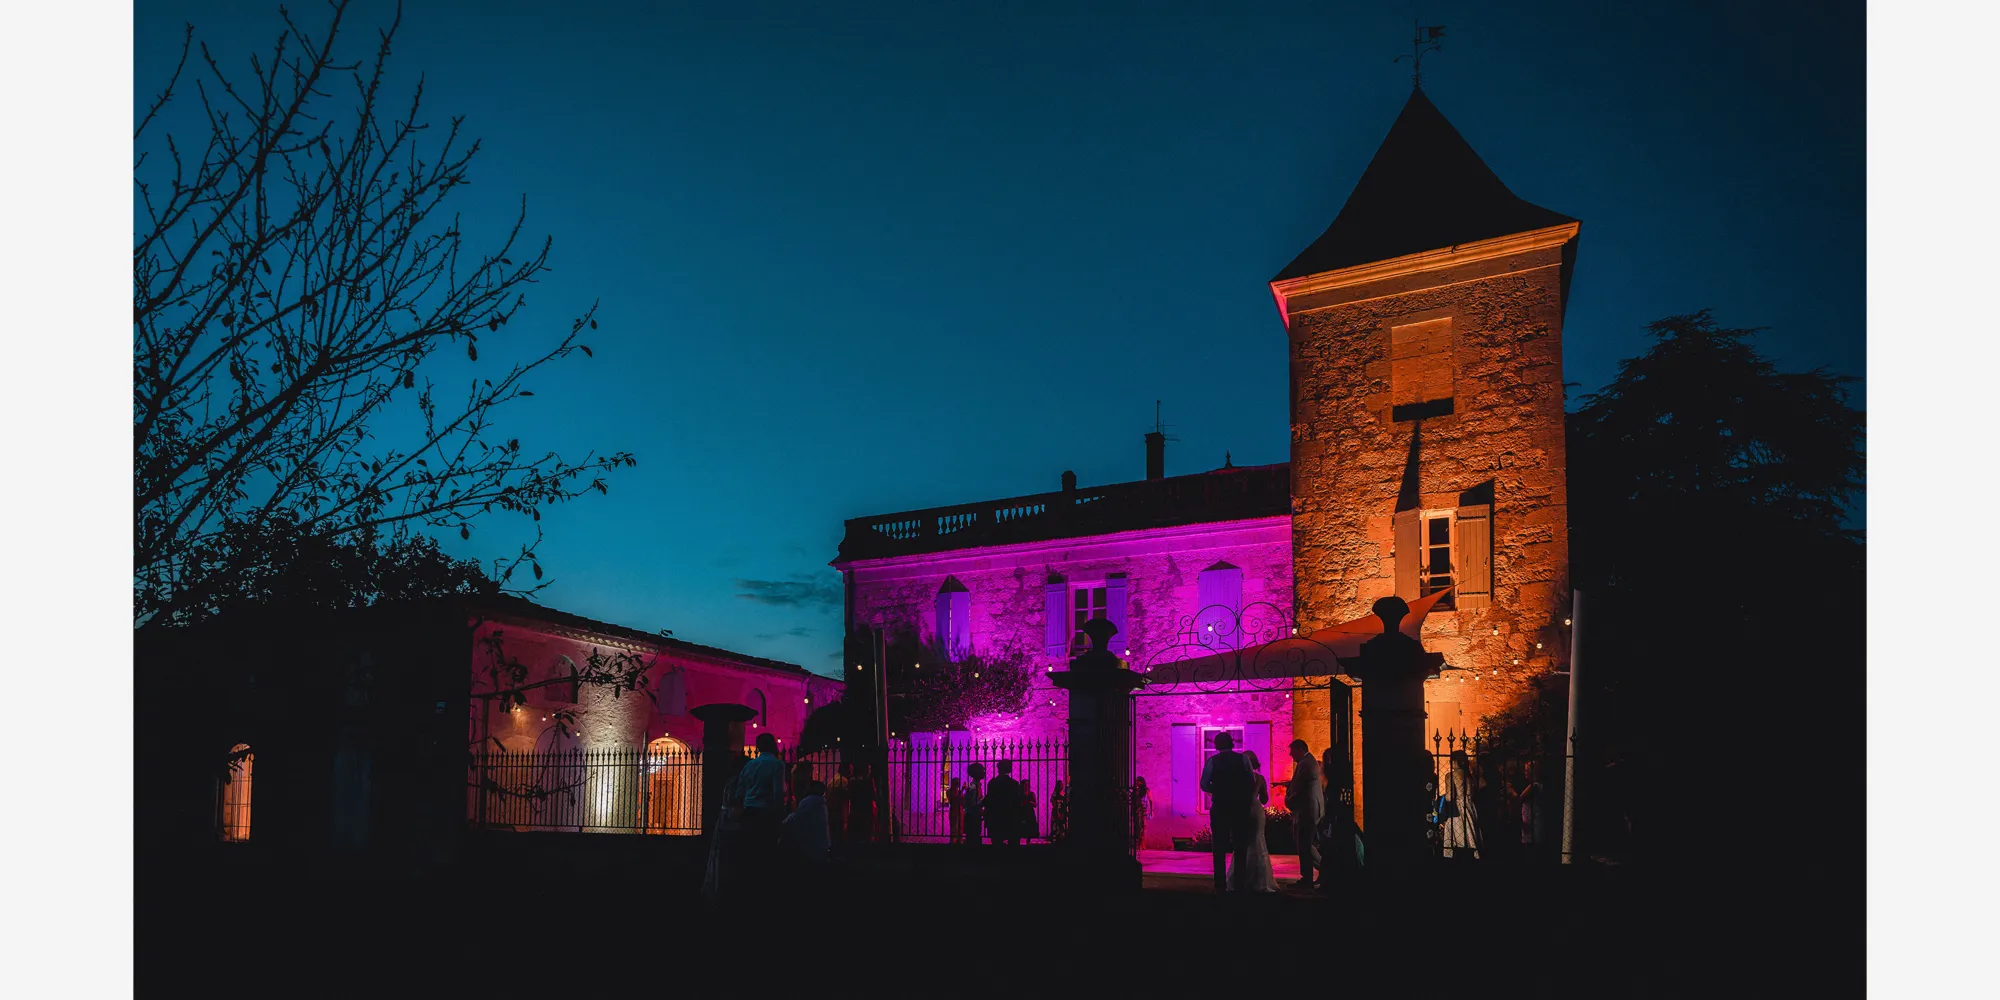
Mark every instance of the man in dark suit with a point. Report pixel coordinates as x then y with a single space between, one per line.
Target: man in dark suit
1004 805
1305 800
1226 779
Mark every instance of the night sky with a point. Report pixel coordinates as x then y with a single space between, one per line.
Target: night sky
858 263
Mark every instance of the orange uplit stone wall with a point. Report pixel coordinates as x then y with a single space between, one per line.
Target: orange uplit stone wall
1349 458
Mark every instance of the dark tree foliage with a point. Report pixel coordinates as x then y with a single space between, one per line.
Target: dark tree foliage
824 727
936 692
1723 642
274 565
928 691
295 273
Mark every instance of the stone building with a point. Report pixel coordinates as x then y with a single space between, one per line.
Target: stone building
351 730
1425 330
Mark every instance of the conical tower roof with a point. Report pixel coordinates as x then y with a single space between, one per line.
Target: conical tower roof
1424 190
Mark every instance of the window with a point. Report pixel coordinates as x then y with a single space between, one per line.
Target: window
1436 549
1434 554
236 794
1218 603
954 618
1208 750
758 703
1088 602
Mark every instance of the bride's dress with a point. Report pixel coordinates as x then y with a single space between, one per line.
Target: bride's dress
1250 868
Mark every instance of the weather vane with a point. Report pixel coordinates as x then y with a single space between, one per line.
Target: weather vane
1424 38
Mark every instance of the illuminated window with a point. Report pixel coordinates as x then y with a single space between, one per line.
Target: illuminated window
1208 750
758 703
1434 570
1088 602
954 618
236 794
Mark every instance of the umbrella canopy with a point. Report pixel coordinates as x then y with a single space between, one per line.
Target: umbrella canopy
1315 655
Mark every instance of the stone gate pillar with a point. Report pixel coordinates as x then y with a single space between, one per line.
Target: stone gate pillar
1100 766
721 753
1394 761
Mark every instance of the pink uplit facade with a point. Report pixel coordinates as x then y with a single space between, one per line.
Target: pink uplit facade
1014 588
682 675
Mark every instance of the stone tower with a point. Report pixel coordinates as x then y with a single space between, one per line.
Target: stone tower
1427 416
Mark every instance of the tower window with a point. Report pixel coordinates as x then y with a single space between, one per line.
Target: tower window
1434 571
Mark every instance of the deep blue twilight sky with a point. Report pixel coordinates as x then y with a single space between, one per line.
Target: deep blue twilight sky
858 258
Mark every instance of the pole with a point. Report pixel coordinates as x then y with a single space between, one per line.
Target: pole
1569 755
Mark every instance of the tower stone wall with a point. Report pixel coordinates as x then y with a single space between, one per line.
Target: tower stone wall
1483 324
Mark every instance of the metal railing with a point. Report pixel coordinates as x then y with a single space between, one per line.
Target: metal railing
1495 800
928 783
587 791
654 792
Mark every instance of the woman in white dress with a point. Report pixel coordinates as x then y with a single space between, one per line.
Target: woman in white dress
1458 818
1250 869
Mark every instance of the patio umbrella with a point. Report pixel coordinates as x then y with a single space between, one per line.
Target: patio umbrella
1290 656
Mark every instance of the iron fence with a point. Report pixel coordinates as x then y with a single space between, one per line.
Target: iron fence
916 785
587 791
1497 800
929 776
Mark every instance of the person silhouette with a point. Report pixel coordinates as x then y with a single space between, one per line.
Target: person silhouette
1003 805
1306 802
1227 780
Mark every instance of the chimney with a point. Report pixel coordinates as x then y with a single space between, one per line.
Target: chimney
1069 481
1156 447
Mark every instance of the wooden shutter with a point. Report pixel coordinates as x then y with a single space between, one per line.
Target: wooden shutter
961 624
1114 610
1257 739
944 618
1474 578
1057 629
1186 748
1408 552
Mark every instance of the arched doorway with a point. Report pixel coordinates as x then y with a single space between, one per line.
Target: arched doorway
673 788
236 794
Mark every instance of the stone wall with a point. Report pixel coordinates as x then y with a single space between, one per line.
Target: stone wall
1349 460
631 720
1162 567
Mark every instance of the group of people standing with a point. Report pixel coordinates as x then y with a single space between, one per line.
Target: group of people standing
1489 812
769 824
1003 811
1238 794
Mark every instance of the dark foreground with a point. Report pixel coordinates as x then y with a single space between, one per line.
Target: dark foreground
939 925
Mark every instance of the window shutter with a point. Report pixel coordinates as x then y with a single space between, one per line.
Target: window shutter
1218 601
1408 553
1475 558
1186 751
944 619
961 624
1257 739
1056 629
1114 610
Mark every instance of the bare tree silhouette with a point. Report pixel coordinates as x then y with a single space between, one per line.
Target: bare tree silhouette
290 279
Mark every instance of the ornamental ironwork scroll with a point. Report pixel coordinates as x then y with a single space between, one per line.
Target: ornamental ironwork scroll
1224 650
